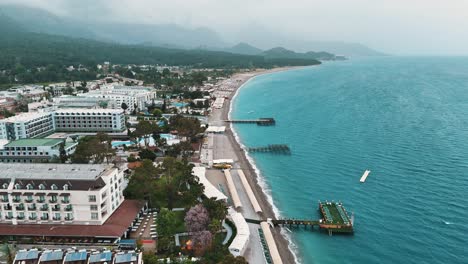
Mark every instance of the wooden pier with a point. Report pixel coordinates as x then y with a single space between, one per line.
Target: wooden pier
275 148
264 121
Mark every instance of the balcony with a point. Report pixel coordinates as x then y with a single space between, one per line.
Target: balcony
32 218
29 200
68 208
53 200
69 218
56 208
44 217
65 201
56 218
44 208
16 199
7 207
41 200
8 217
20 217
20 207
32 207
4 200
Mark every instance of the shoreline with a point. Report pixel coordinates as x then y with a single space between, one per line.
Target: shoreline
253 175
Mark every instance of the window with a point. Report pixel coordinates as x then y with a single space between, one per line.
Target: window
41 187
54 187
94 216
92 198
29 186
17 186
93 207
66 187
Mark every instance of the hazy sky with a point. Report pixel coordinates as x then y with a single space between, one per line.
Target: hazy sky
392 26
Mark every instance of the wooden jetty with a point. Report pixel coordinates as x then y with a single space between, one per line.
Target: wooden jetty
334 219
264 121
364 176
275 148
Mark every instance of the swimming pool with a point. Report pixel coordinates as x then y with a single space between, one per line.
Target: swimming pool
171 139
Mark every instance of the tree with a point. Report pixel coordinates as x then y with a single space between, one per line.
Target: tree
147 154
166 222
217 209
144 129
63 153
230 259
124 106
157 113
93 149
196 222
142 184
186 126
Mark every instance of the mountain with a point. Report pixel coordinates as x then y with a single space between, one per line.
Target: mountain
244 48
41 21
342 48
280 52
28 50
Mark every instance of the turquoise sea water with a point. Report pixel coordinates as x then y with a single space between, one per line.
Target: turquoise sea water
405 119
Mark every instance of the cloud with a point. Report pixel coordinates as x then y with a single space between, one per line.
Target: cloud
395 26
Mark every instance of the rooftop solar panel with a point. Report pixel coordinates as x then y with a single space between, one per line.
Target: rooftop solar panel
124 258
52 255
76 256
101 257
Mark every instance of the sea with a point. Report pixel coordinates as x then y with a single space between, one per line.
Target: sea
403 118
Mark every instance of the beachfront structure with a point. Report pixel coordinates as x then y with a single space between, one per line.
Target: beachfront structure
35 150
82 256
71 194
135 97
210 191
27 125
89 120
240 241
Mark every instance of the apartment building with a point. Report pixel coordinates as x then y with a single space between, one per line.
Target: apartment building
72 194
35 150
135 97
89 120
26 125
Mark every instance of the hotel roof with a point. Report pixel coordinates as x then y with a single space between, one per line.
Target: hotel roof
86 110
24 117
34 142
53 171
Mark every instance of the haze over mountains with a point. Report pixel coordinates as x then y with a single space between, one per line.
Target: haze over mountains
165 35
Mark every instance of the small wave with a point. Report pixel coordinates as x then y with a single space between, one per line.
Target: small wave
262 182
448 223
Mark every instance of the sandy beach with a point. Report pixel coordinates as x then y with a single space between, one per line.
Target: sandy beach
225 146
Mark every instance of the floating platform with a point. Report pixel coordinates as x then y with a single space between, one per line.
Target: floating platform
364 176
264 121
275 148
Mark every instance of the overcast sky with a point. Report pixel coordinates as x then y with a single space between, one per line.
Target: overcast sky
392 26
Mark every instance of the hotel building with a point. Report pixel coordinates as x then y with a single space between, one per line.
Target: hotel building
27 125
35 150
69 194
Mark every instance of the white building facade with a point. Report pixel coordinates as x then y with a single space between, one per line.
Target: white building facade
89 120
27 125
79 194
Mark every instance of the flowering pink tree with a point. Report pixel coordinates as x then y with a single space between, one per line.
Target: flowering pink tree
196 221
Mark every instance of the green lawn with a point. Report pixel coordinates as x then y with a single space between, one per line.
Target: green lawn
180 221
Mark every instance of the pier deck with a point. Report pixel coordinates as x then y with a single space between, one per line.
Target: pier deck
264 121
275 148
334 219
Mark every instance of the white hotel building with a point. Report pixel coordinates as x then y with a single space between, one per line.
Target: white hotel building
27 125
59 193
32 125
132 96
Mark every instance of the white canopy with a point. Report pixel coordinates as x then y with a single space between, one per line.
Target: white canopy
210 190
